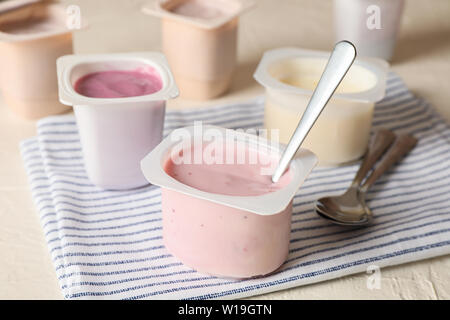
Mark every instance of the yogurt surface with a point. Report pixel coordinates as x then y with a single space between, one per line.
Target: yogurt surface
119 83
239 178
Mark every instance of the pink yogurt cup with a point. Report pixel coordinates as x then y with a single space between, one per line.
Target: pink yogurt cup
226 235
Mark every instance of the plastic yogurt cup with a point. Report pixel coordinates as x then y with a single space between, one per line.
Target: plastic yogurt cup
200 41
342 132
231 230
371 25
116 133
32 37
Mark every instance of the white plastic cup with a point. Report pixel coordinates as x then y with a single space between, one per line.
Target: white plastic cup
116 133
28 59
371 25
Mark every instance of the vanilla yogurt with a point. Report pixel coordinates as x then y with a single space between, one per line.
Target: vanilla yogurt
341 133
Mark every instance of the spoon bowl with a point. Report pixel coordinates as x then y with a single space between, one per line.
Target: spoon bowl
347 209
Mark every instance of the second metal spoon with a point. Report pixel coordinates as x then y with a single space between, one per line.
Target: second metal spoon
350 208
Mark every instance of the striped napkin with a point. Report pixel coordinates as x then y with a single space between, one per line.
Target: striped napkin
108 244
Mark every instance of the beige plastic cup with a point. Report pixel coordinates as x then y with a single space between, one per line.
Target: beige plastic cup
199 38
342 132
32 37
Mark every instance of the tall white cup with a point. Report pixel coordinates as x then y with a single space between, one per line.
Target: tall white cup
371 25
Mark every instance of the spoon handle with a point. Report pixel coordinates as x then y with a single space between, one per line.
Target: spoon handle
401 147
341 59
382 140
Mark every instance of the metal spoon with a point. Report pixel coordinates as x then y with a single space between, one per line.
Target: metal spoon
341 59
346 202
350 209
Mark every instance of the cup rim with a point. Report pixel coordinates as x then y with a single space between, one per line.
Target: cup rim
377 66
266 204
155 9
68 95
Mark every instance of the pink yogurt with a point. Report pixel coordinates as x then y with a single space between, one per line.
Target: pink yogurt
218 239
236 179
119 83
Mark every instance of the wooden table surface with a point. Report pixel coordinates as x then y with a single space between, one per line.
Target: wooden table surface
422 59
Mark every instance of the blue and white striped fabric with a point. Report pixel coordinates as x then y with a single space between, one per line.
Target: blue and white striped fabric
107 244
